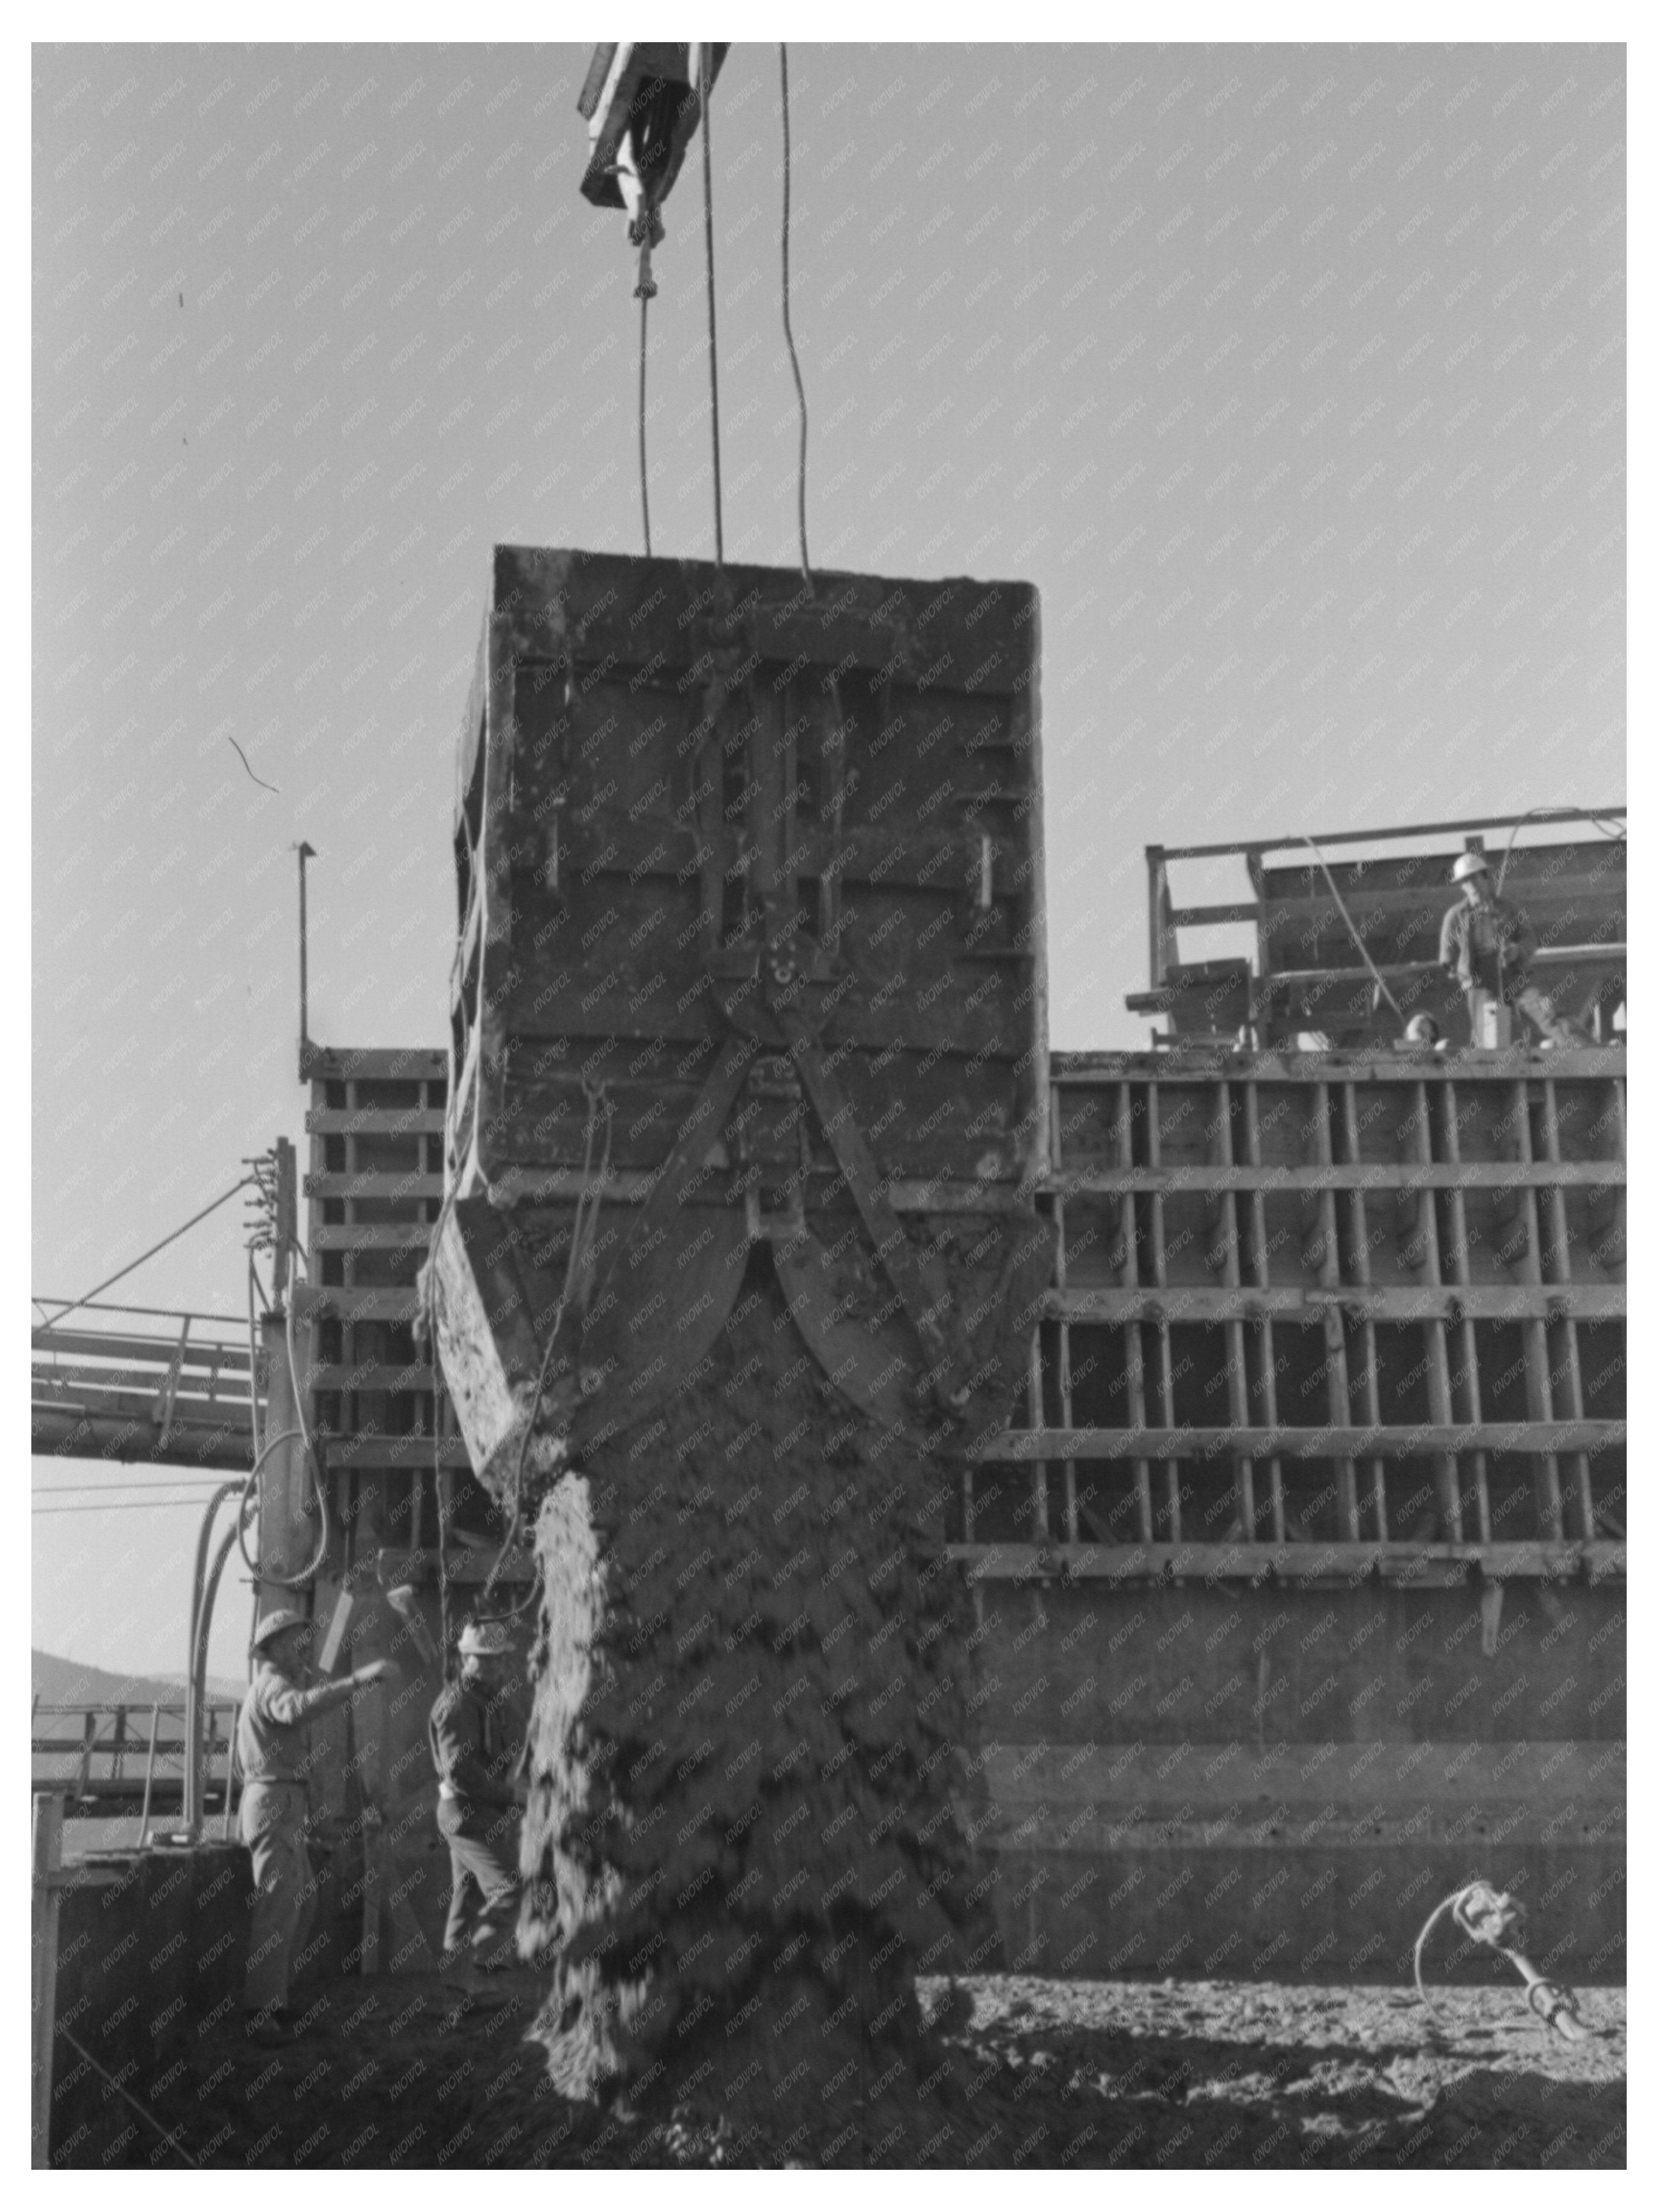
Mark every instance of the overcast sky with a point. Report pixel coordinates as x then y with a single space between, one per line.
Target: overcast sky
1293 377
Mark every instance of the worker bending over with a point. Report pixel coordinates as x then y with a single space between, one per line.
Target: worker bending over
1490 945
477 1801
272 1754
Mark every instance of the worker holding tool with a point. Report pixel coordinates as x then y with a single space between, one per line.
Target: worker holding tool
274 1759
1488 945
478 1801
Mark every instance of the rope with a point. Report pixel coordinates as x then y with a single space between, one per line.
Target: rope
714 352
644 292
1363 951
788 332
223 1199
143 2111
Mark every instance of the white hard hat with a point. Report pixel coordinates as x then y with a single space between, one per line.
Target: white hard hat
1470 863
1422 1029
485 1639
272 1624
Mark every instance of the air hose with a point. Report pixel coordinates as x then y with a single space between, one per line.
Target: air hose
1494 1918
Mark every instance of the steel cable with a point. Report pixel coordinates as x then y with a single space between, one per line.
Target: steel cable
788 331
646 287
1363 951
703 89
223 1199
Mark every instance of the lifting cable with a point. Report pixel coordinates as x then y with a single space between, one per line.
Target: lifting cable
1363 949
644 292
714 354
788 332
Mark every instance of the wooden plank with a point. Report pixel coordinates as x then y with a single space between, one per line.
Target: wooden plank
369 1375
47 1859
1598 1175
1090 1069
1388 1442
399 1063
1563 1354
410 1187
1391 1774
361 1452
1382 1303
370 1236
1129 1563
1335 1334
375 1121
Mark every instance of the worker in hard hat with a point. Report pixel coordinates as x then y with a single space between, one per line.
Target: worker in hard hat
1488 945
478 1801
274 1759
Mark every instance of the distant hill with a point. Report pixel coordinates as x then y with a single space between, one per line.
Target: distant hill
57 1681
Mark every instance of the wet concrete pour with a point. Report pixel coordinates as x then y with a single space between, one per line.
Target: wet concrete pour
1029 2073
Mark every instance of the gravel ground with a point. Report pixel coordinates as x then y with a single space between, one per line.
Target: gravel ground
1030 2072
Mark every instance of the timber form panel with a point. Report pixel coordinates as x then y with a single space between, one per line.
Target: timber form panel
1314 1316
374 1191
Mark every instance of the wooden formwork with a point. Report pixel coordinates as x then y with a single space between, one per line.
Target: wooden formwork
1300 1595
1327 1307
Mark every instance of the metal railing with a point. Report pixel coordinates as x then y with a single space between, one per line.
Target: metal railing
112 1758
109 1385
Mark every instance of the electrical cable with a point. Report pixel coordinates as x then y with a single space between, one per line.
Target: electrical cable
703 88
788 331
308 1573
253 1358
1363 949
224 1199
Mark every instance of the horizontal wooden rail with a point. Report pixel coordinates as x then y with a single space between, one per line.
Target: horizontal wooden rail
369 1375
1361 1175
1388 1441
369 1184
375 1121
1250 1562
370 1237
1482 1301
411 1453
1087 1070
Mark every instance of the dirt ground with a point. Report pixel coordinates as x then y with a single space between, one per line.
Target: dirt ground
1029 2072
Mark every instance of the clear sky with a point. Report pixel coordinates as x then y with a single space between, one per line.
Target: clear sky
1292 376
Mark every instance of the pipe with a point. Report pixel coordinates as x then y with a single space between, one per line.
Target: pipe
198 1691
192 1810
149 1776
